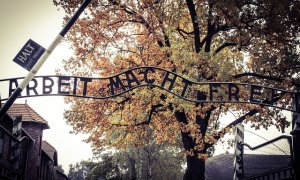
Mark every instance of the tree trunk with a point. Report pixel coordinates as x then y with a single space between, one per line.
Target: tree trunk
195 168
133 169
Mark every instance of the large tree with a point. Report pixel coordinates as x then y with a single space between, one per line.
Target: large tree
251 41
153 161
90 170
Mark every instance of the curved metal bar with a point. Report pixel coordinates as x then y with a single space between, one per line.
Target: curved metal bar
153 67
289 138
111 94
186 99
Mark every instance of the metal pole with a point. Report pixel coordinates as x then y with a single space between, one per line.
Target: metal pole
296 134
42 60
238 173
24 174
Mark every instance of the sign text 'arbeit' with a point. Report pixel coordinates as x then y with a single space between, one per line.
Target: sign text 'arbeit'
29 55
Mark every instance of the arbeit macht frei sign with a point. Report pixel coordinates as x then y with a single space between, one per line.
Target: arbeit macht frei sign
151 77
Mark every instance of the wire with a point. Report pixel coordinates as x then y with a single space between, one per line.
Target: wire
267 141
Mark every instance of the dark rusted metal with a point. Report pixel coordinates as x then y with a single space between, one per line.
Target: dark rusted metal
155 77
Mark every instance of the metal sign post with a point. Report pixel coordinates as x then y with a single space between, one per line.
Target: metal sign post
42 60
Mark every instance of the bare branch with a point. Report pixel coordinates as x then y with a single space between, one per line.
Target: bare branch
258 76
239 120
183 33
224 45
193 14
147 122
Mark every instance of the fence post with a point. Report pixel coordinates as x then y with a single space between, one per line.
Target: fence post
296 134
16 145
238 153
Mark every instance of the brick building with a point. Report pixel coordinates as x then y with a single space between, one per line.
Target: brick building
23 154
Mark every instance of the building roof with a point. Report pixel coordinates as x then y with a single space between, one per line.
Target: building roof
60 171
28 114
221 166
50 151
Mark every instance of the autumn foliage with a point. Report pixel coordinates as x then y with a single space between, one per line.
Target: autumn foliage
215 41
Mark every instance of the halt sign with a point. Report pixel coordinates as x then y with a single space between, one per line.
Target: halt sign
29 54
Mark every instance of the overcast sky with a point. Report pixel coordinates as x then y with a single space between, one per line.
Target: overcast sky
40 21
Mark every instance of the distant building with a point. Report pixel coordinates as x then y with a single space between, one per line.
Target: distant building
256 167
23 154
